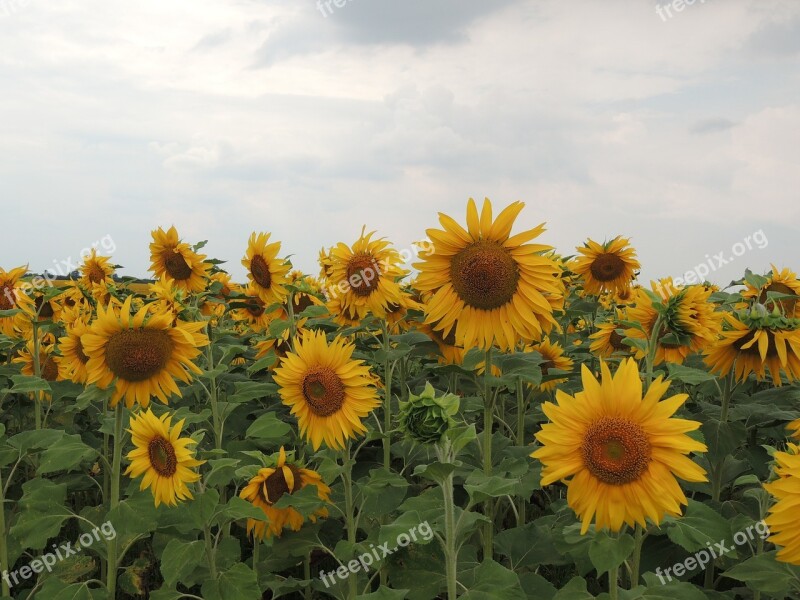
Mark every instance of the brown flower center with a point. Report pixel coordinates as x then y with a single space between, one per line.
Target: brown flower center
753 351
79 351
616 451
94 273
615 341
43 309
48 368
138 354
787 304
8 297
255 307
259 269
607 267
484 275
176 265
302 301
162 457
363 274
275 486
323 390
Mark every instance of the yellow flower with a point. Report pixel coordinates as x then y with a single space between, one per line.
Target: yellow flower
781 282
267 272
606 341
144 353
326 389
782 517
12 295
95 269
609 266
176 259
48 360
491 288
619 451
162 457
554 358
73 360
270 485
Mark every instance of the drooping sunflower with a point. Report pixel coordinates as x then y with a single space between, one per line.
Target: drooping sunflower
490 287
162 457
782 517
141 355
267 272
755 344
95 269
608 266
554 358
176 259
619 451
167 296
364 276
327 390
689 321
73 362
779 281
270 485
607 341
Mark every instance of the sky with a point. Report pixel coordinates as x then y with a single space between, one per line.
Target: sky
676 128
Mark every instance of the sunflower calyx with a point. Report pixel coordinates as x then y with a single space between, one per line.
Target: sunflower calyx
425 418
760 317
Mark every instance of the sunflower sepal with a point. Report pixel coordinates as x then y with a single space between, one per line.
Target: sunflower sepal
426 417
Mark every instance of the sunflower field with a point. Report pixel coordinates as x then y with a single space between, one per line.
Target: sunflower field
490 420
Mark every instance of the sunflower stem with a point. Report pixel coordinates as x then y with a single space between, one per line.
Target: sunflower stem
349 509
613 583
652 347
488 422
3 541
717 466
307 593
522 406
445 454
387 400
638 540
212 392
212 563
115 477
37 371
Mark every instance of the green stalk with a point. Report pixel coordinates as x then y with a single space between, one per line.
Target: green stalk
450 551
212 563
652 347
37 371
115 477
613 583
488 422
3 541
387 401
212 392
349 510
638 539
521 409
307 593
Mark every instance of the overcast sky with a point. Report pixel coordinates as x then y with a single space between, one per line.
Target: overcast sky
225 117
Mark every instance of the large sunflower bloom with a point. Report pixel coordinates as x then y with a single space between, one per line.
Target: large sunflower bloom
610 266
749 347
488 286
782 517
781 282
176 259
162 456
363 277
265 270
327 390
269 485
143 353
619 452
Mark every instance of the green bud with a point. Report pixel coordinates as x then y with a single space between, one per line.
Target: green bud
425 417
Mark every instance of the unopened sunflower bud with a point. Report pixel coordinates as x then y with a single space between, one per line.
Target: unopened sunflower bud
425 417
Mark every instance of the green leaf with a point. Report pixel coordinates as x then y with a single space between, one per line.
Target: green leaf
237 583
65 454
480 487
268 427
40 438
688 374
530 545
179 559
252 390
607 552
763 573
494 582
41 513
24 384
700 526
436 471
223 471
574 590
385 593
237 508
306 501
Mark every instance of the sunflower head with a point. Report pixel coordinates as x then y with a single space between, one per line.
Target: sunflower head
267 273
176 260
281 476
326 389
554 359
161 457
782 517
96 269
780 290
609 266
489 287
619 451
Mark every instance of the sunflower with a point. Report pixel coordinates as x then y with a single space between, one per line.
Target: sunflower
265 270
554 358
782 517
753 345
269 486
689 321
162 456
487 286
12 295
251 310
781 282
95 269
73 362
48 359
176 259
607 341
449 353
222 287
327 390
144 353
619 452
168 297
609 266
364 277
325 263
